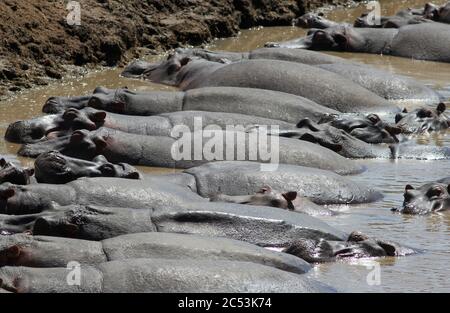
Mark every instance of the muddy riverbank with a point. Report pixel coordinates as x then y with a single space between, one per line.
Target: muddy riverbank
39 44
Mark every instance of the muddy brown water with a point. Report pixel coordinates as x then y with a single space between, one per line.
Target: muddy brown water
425 272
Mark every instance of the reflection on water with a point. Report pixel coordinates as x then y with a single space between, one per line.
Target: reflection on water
428 271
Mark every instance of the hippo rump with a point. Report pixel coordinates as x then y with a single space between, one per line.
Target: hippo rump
161 151
429 198
157 276
49 126
320 86
422 42
383 83
44 252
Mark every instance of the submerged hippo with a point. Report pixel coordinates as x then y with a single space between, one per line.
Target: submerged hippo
422 42
429 198
161 151
266 196
321 86
423 120
383 83
370 129
357 245
159 275
55 168
44 252
11 173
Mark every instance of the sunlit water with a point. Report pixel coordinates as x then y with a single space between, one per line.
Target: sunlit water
428 271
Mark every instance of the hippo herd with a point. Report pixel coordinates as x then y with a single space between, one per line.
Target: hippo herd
221 224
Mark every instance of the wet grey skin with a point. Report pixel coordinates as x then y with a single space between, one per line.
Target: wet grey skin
158 276
156 125
13 173
321 86
314 20
383 83
45 252
348 146
357 245
122 147
423 120
59 104
55 168
429 198
402 18
427 41
266 196
370 129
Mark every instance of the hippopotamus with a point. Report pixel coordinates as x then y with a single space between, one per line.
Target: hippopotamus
156 125
402 18
153 275
321 86
15 174
423 120
55 168
426 41
45 252
370 128
314 20
248 101
59 104
358 245
266 196
385 84
42 127
443 14
348 146
161 151
429 198
237 178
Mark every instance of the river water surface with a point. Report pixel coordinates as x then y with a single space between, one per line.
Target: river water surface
425 272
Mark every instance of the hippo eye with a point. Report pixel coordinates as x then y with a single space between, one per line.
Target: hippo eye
435 192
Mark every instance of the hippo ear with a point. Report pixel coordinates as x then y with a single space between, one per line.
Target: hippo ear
409 187
29 171
265 189
185 61
13 252
77 136
398 117
290 196
405 110
373 118
100 143
98 116
70 114
7 193
2 162
441 108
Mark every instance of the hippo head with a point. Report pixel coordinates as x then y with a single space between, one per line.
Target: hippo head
431 11
20 200
80 144
55 125
266 196
443 15
423 120
429 198
370 129
168 72
135 69
365 20
312 20
55 168
13 174
335 38
357 245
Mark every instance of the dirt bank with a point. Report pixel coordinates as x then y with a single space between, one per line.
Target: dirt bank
37 42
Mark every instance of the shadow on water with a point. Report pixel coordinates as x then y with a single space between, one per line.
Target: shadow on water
428 271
